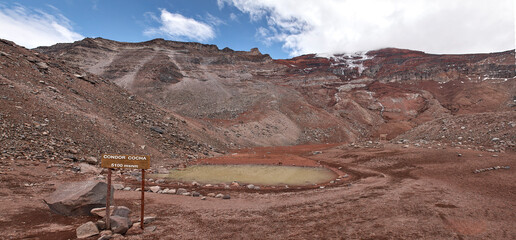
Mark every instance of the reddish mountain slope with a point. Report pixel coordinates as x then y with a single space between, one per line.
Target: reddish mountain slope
50 110
247 99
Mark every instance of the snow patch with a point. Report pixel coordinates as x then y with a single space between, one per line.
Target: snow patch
349 60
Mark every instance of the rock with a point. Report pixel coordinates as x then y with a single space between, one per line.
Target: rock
316 152
105 235
150 229
157 129
87 230
149 219
195 184
118 186
211 194
170 191
405 146
186 194
250 186
495 139
122 211
92 160
120 224
78 198
101 212
226 196
127 189
155 189
235 184
72 151
181 191
86 168
208 185
117 236
101 225
135 229
203 198
106 232
459 155
196 194
220 195
160 181
42 65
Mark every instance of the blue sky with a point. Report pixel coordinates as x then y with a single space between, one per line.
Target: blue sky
281 28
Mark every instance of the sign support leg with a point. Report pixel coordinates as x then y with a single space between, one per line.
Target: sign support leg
143 201
108 199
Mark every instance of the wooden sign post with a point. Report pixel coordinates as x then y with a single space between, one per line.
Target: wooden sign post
111 161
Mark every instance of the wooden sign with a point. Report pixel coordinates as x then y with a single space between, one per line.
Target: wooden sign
125 161
110 161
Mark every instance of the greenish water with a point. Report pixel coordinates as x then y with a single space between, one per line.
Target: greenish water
252 174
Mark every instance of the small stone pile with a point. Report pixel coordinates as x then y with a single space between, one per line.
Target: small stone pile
120 224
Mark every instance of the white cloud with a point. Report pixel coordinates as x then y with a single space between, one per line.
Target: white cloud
33 28
214 21
179 27
437 26
233 17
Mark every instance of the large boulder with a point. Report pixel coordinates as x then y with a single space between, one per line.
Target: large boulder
78 198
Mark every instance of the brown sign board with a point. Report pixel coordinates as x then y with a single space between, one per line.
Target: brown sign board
125 161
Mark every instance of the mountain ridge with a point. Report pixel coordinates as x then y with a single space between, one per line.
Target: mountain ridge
249 99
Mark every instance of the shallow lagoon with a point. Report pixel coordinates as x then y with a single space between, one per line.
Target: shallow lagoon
252 174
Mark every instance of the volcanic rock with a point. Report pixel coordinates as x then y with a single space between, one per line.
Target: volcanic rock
155 189
87 230
135 229
122 211
78 198
101 224
105 235
181 191
149 219
87 168
101 212
120 224
92 160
